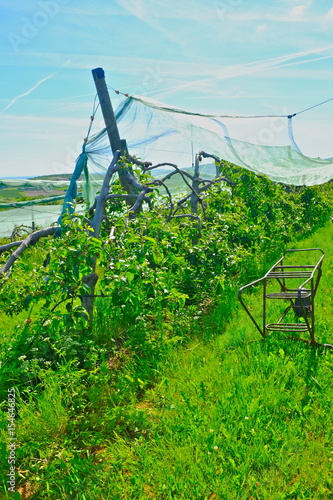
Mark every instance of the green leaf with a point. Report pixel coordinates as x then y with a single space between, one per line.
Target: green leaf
148 238
129 276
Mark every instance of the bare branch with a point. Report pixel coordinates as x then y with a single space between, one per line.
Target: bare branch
31 239
195 186
183 200
214 181
18 229
14 244
179 170
185 174
143 164
161 183
139 200
133 182
127 197
165 164
86 300
100 201
217 160
207 155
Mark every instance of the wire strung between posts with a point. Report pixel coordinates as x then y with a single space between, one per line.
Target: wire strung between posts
255 116
118 91
95 108
315 106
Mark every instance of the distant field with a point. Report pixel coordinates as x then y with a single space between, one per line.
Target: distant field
40 192
11 194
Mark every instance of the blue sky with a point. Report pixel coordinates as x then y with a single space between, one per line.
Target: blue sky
222 56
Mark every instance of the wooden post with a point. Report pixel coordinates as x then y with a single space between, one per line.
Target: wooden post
116 143
107 110
195 186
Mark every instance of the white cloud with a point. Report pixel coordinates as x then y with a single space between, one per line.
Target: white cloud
173 77
135 65
261 28
329 14
298 10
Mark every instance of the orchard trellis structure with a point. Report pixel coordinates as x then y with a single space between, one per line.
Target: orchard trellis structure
137 193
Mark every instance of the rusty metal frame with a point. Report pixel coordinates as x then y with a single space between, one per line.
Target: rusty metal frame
297 296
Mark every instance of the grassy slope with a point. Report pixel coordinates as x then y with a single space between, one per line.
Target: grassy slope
228 419
233 419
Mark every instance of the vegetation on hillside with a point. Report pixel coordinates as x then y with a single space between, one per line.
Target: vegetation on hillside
154 399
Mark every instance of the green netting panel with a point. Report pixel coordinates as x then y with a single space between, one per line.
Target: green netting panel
94 159
38 215
262 144
44 185
30 203
160 133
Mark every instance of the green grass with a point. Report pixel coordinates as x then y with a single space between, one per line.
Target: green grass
230 416
234 419
171 394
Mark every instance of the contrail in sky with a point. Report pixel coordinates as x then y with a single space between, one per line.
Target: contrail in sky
29 91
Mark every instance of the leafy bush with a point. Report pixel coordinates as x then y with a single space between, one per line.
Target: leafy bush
156 277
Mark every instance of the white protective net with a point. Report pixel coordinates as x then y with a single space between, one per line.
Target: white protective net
160 133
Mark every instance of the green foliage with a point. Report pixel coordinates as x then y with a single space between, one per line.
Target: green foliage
161 286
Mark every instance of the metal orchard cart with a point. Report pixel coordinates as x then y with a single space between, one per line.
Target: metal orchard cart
295 286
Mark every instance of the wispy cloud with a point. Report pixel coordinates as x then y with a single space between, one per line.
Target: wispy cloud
137 65
150 10
252 68
13 101
180 77
16 98
261 28
154 14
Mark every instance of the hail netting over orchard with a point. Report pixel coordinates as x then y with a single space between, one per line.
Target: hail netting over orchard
160 133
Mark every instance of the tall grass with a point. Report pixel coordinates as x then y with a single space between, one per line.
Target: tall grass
230 416
172 393
235 418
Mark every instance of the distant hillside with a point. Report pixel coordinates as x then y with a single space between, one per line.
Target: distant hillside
175 184
52 177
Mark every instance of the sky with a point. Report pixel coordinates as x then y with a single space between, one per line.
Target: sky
210 56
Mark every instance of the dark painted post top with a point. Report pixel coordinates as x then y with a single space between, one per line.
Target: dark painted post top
107 110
